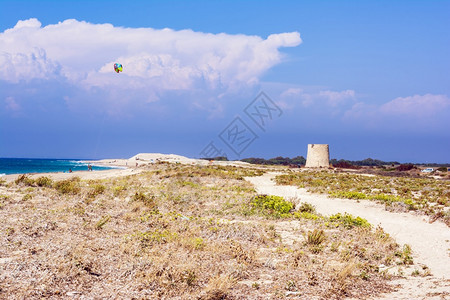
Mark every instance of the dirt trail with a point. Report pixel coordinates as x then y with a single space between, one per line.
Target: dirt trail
430 242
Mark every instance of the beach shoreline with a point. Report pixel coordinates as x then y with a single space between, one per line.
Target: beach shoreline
124 167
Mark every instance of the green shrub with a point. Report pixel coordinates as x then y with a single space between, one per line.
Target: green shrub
349 195
349 221
68 186
44 181
386 198
410 203
274 204
305 215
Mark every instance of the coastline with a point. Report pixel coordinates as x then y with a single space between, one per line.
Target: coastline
124 167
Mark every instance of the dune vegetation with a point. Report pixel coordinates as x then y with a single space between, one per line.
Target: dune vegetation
428 196
190 232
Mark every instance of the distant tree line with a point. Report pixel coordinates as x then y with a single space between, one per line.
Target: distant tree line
219 158
300 161
369 162
342 163
284 161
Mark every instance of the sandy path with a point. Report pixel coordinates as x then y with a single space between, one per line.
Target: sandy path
430 242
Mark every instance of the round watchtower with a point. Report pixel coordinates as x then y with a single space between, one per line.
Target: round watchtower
318 156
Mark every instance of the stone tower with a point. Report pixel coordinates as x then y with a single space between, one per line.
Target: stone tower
318 156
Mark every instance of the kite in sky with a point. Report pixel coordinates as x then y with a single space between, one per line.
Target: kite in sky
117 67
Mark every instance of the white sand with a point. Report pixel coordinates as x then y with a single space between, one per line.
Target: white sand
430 242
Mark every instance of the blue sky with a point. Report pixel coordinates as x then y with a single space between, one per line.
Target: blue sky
370 78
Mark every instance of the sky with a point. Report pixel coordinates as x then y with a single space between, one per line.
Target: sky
235 78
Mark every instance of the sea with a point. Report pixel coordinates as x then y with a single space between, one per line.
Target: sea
35 165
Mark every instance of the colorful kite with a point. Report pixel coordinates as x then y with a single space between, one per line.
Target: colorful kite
117 67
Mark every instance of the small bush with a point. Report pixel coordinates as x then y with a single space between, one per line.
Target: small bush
388 199
97 189
24 180
405 255
68 186
348 221
197 243
410 203
307 207
442 169
275 204
44 181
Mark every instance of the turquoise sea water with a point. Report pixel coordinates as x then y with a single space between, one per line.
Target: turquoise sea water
33 165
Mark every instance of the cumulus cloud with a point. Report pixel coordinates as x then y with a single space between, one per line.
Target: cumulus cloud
24 66
418 112
337 98
325 99
417 105
84 54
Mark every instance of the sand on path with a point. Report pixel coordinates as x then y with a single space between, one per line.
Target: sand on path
430 242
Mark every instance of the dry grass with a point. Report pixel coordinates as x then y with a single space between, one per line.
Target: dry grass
178 232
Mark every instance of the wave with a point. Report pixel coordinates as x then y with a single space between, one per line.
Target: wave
108 167
2 174
78 162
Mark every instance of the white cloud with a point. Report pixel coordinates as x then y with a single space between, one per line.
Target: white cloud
291 92
337 98
417 105
325 98
418 112
24 66
11 104
84 53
